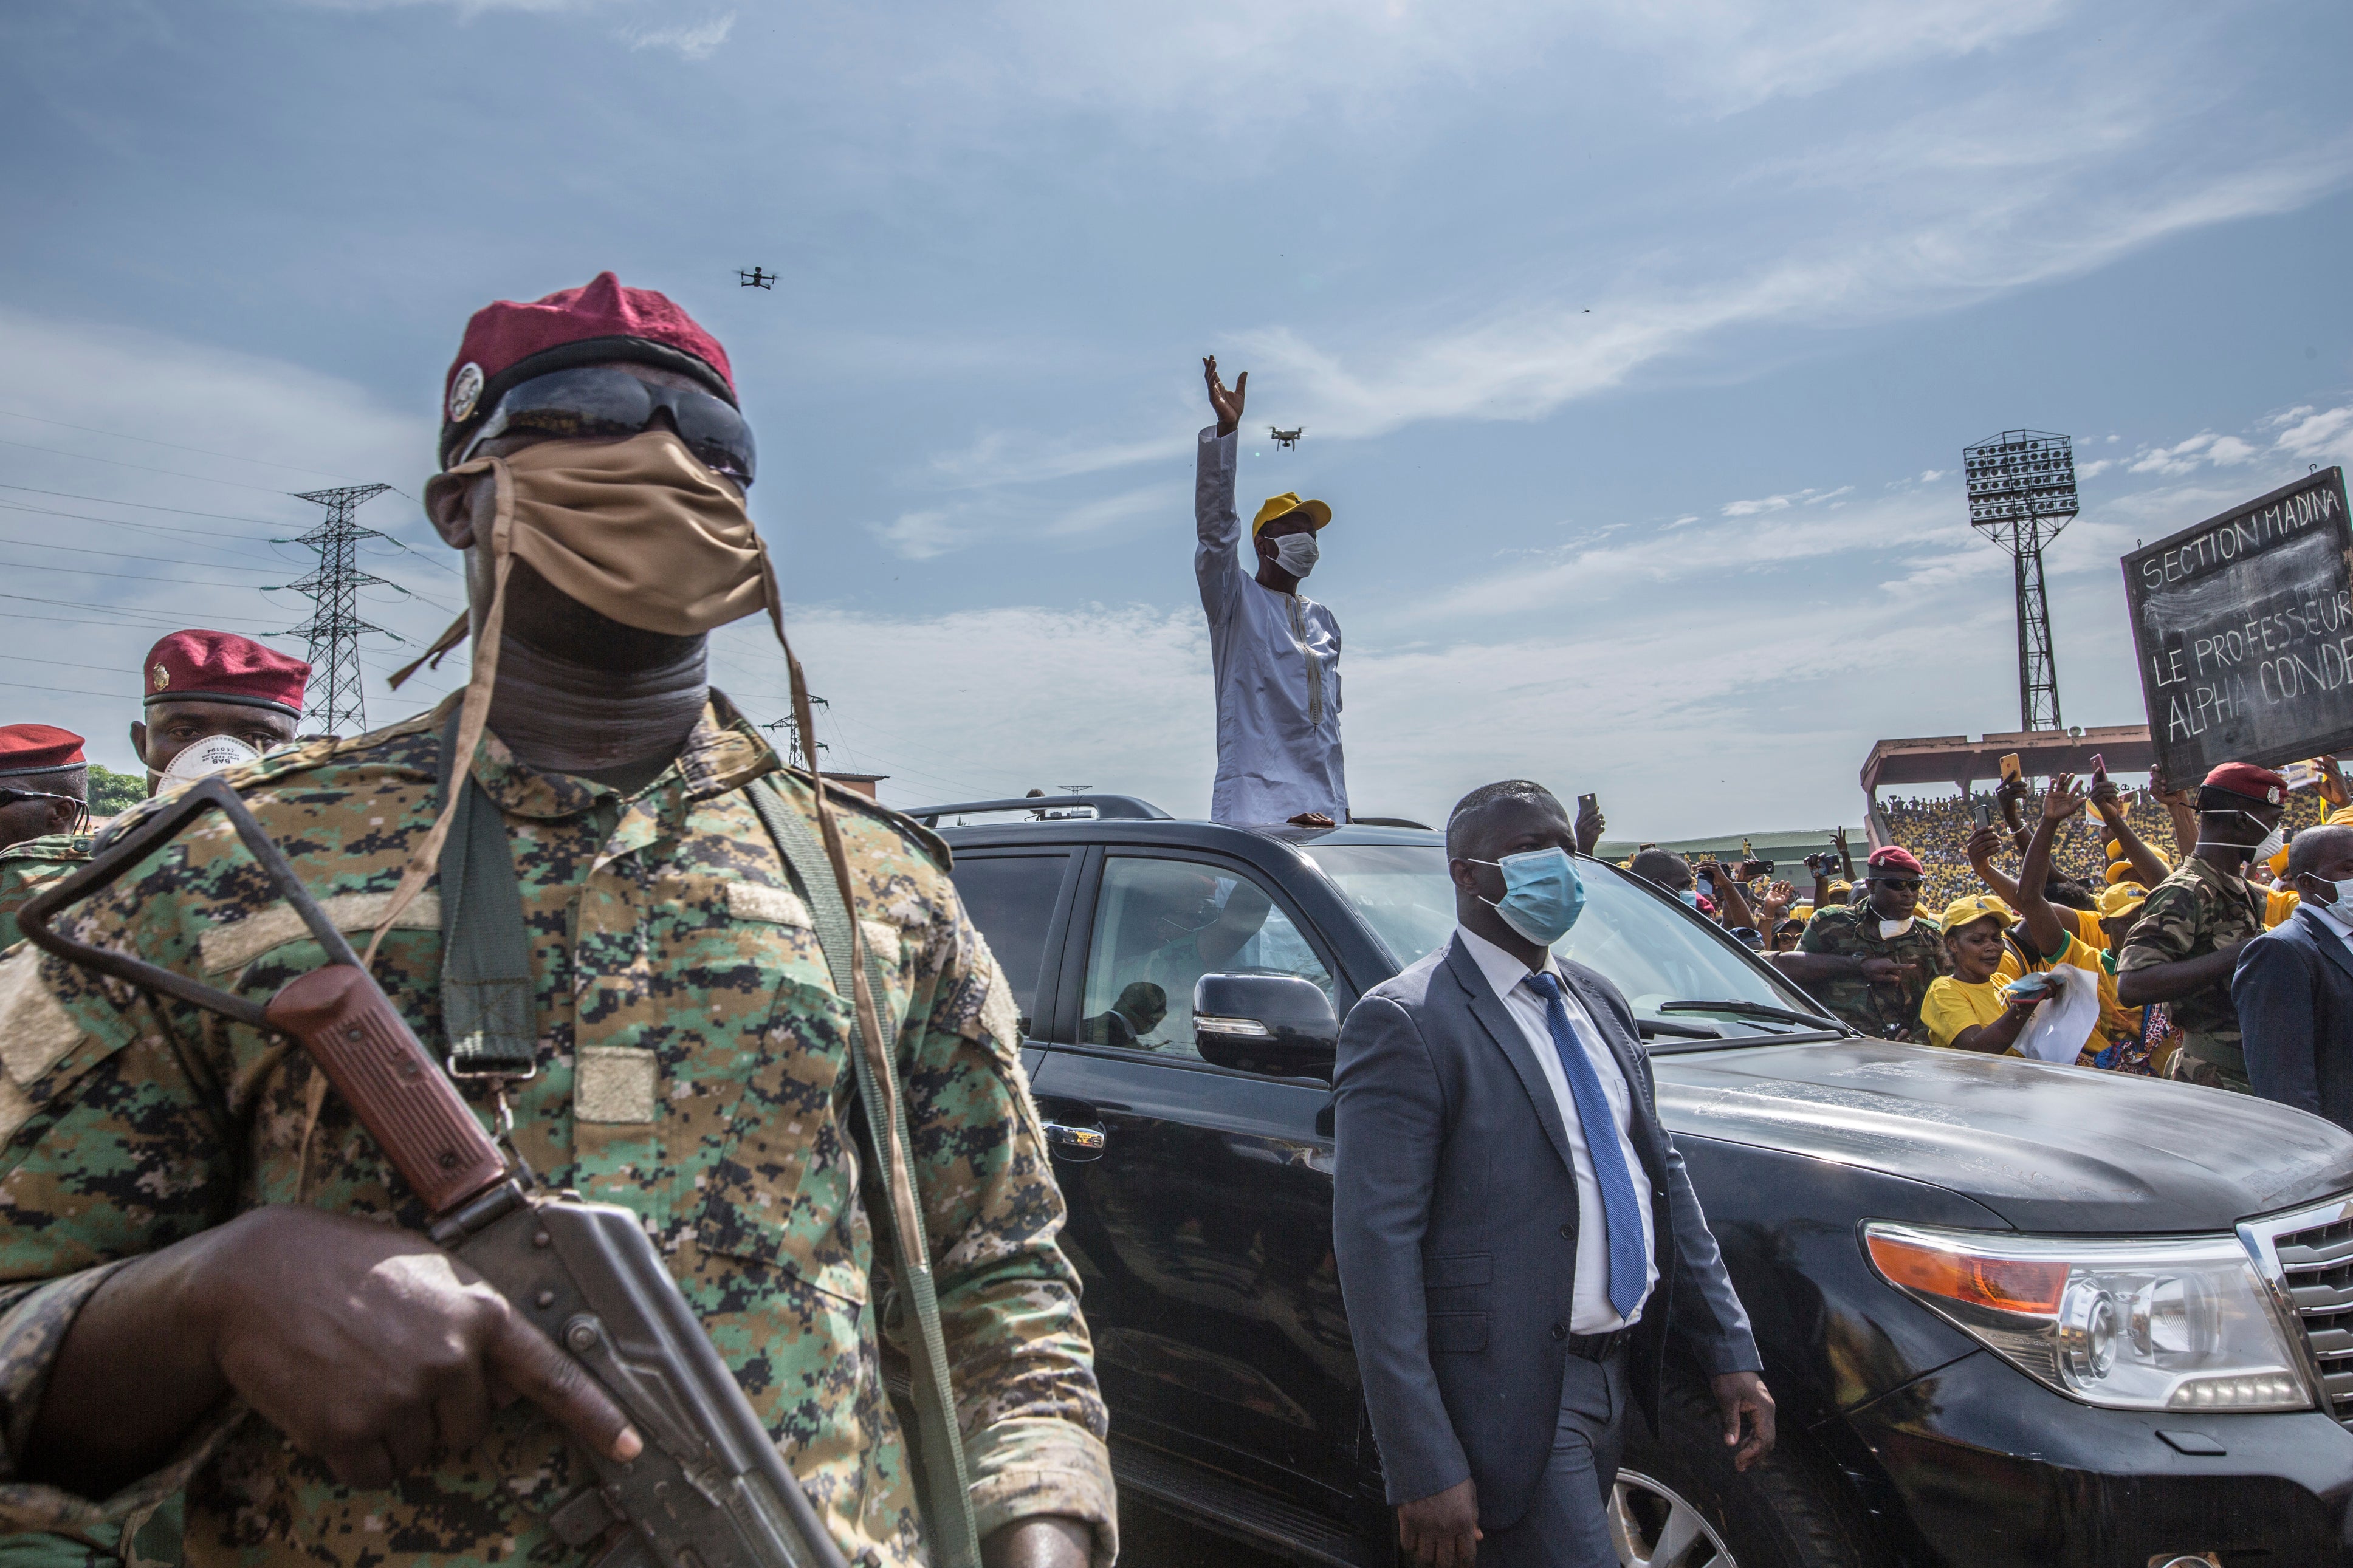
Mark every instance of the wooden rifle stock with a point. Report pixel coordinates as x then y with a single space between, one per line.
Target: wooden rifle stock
350 1029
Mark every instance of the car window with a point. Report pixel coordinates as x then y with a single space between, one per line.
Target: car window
1011 899
1654 951
1162 924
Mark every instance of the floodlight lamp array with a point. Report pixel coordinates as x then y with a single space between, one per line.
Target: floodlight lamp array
2020 477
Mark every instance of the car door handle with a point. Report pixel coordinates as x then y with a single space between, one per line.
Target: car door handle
1075 1142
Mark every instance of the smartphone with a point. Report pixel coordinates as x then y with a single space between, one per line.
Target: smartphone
2301 775
2099 769
1586 803
1707 886
1985 813
1752 869
2011 772
2030 987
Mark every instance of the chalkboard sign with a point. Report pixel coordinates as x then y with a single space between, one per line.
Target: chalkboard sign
2244 629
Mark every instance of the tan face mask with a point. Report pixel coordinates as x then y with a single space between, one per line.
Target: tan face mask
639 531
636 529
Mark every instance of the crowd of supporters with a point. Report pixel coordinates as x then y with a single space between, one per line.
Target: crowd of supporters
1976 915
1938 831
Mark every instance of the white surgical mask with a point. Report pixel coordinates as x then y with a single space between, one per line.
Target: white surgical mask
1890 929
1296 554
2272 842
2341 912
212 755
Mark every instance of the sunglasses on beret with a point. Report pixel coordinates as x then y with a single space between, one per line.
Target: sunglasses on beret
597 401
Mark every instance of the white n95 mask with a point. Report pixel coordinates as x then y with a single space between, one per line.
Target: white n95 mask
212 755
1296 554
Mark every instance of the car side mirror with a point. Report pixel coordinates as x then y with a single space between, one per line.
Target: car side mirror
1275 1023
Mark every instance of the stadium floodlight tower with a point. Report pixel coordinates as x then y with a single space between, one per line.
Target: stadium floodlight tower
2021 493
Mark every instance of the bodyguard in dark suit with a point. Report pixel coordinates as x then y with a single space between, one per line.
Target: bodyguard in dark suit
1516 1235
2293 986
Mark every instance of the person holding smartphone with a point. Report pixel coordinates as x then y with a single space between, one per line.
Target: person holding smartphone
1870 961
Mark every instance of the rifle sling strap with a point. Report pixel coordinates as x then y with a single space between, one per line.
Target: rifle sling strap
950 1528
485 997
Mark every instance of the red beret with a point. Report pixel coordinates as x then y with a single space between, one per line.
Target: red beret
37 749
2248 781
508 342
222 666
1895 858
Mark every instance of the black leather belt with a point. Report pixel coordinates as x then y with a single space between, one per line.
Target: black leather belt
1601 1347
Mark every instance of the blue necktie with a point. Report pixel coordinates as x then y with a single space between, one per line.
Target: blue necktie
1620 1205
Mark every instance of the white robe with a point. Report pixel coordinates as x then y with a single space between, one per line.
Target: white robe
1276 661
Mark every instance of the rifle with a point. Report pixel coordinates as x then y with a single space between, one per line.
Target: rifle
709 1490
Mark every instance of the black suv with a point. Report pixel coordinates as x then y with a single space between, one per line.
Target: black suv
2012 1313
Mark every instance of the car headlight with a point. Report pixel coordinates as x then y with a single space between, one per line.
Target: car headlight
2149 1324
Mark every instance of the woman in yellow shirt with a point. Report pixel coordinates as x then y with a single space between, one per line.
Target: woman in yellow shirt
1968 1010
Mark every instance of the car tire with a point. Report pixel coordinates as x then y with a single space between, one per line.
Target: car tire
1784 1511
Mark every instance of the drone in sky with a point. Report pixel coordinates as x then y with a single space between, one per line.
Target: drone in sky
1287 439
755 279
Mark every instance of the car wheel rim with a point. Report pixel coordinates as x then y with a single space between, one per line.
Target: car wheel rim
1652 1527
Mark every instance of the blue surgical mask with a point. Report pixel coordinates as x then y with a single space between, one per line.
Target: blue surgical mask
1542 894
1689 896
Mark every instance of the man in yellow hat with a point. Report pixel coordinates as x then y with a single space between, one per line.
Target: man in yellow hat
1275 653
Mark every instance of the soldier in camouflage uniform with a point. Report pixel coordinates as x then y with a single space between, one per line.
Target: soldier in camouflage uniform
1874 980
191 1292
44 803
2182 949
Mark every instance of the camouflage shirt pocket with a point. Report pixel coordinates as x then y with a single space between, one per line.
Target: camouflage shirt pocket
781 1184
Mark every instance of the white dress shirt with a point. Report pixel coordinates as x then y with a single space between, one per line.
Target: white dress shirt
1275 658
1590 1308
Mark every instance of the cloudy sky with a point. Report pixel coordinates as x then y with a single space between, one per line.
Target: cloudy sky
1636 346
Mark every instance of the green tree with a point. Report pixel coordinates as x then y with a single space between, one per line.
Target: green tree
111 792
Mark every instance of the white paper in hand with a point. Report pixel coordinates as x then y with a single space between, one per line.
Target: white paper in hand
2063 1023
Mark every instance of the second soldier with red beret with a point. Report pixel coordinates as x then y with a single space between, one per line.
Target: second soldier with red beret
1889 951
2181 949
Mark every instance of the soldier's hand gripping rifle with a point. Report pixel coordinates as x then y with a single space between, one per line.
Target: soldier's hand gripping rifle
709 1489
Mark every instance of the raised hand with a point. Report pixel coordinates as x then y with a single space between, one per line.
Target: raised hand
2063 799
1589 824
1227 403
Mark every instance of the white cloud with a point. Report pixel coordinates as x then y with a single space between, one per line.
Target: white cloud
692 40
2316 435
89 470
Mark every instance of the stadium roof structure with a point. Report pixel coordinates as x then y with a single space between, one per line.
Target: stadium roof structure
1786 847
1959 760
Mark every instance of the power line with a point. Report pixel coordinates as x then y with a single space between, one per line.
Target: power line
142 506
175 446
118 609
145 468
75 691
128 576
179 531
60 663
124 554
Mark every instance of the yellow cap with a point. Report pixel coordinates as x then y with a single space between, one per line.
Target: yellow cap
1801 913
1284 505
1841 887
2115 849
2121 899
2122 871
1975 907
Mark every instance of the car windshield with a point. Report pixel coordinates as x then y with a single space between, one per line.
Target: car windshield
1660 955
